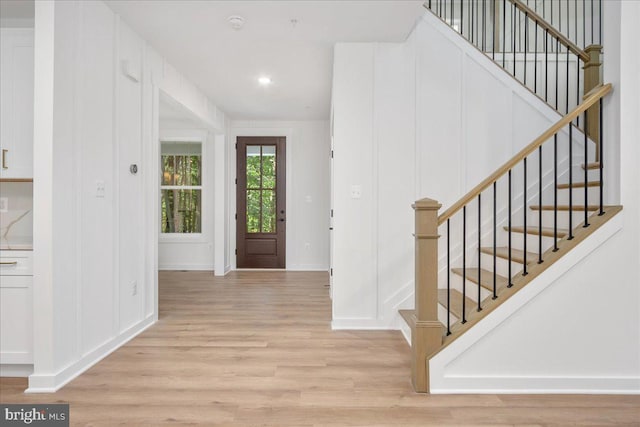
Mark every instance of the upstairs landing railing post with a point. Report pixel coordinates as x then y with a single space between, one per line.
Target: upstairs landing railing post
427 334
593 79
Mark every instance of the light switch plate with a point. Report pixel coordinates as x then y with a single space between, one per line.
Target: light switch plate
356 191
100 189
4 204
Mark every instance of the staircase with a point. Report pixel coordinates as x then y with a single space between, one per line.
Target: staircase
535 208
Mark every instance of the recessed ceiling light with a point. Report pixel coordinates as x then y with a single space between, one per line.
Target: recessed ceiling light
264 80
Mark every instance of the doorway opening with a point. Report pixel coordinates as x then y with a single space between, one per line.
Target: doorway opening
261 201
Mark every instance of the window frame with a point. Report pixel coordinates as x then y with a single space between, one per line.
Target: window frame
200 139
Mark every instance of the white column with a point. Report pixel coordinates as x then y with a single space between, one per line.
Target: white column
220 196
43 296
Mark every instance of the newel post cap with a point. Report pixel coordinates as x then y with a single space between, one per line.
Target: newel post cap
427 204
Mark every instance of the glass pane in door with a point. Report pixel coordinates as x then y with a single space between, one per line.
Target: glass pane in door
261 188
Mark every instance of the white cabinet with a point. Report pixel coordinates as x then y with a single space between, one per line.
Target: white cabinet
16 308
16 103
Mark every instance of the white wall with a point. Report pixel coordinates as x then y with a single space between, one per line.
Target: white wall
581 333
431 117
374 148
470 117
96 113
191 252
307 211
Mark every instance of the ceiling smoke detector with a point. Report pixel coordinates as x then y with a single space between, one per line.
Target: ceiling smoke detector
236 22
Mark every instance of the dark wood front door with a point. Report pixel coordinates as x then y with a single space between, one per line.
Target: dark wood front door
260 196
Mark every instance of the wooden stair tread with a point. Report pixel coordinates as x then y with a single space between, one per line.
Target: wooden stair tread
546 231
517 255
485 279
565 207
578 185
535 270
594 165
456 302
409 316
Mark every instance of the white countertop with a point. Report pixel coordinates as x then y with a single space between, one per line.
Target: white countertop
16 244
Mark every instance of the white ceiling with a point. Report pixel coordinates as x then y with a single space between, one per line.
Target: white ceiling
196 38
16 11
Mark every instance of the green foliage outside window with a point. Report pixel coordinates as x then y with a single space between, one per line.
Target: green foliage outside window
261 194
181 209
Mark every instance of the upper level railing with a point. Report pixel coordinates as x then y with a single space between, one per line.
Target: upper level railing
578 20
541 43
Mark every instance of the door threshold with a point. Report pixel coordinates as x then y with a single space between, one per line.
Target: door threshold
261 269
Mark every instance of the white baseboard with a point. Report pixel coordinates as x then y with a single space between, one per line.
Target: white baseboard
187 267
362 324
308 267
11 370
50 383
539 385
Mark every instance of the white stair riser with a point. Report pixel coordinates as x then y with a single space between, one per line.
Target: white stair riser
563 218
501 265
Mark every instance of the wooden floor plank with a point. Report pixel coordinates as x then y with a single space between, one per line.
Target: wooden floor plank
256 348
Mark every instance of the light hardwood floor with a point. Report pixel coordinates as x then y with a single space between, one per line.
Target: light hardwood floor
256 348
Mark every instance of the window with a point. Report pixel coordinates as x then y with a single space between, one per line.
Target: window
181 187
261 189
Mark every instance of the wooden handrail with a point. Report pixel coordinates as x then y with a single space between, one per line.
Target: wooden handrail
555 33
593 97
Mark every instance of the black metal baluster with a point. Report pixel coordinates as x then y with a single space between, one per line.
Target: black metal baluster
464 265
524 216
461 17
591 22
601 165
578 90
509 243
484 23
535 61
526 38
452 11
568 24
556 79
513 36
571 183
504 31
584 23
546 65
471 21
540 203
555 192
479 245
566 110
575 19
448 276
586 172
495 228
600 22
493 29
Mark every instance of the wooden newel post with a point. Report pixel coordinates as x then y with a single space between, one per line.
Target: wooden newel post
592 79
426 336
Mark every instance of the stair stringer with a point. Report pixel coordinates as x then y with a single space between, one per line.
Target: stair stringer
454 369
